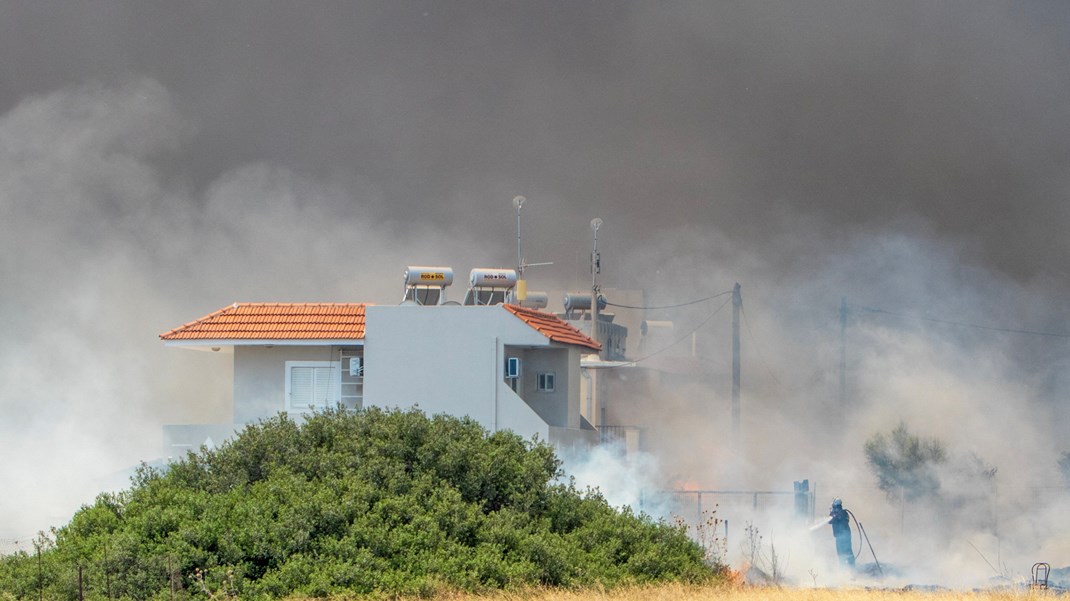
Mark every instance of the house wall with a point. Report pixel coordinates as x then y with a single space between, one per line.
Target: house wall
260 377
516 415
554 407
451 359
573 439
575 392
441 359
180 439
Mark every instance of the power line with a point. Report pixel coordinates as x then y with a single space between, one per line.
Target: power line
761 355
701 300
677 341
962 324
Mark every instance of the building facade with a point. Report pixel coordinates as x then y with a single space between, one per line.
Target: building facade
505 366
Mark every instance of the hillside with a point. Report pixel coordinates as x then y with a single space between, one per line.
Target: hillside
378 503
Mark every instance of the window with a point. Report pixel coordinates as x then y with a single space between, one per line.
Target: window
546 382
311 384
512 367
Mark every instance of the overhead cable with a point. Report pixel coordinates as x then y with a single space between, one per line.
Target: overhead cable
746 322
674 343
701 300
962 324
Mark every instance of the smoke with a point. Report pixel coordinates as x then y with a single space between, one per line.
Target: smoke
100 255
623 479
159 161
932 339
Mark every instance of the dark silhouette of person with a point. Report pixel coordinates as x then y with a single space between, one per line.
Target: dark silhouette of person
841 530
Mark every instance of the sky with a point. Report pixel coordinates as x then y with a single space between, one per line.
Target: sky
159 160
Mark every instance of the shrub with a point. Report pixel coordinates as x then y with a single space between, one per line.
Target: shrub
375 502
905 463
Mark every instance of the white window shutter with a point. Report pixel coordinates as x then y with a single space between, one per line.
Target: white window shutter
301 387
313 384
323 378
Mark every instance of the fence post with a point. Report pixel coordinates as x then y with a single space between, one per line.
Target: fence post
40 570
802 499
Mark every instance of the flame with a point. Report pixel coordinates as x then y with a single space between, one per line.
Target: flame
688 484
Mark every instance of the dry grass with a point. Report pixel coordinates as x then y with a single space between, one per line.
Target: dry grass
677 592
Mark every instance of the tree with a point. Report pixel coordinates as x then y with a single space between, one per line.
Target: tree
1064 466
905 464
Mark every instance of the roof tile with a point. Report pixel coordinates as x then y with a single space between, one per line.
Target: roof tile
276 321
552 327
316 321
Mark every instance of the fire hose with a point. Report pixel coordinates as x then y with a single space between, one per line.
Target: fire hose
862 534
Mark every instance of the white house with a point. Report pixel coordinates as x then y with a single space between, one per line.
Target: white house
506 366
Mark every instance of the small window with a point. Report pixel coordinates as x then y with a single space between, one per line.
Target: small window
512 367
546 382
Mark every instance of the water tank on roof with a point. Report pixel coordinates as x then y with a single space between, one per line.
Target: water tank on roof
581 301
492 278
536 300
416 275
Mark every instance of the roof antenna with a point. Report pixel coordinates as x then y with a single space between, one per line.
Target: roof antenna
521 285
520 293
596 268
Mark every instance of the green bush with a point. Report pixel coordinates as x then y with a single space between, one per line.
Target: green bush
905 464
371 503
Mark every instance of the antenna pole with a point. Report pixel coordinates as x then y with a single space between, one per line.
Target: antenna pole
521 285
596 268
737 303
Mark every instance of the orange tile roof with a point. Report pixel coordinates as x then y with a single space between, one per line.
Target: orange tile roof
552 327
276 321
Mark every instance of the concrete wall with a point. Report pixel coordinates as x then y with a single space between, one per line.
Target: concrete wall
553 407
179 439
573 439
516 415
451 359
260 377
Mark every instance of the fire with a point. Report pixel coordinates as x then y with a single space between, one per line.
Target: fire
689 484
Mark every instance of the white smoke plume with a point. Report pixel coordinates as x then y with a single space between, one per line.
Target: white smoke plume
100 255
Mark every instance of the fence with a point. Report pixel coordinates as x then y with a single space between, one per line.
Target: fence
47 578
802 498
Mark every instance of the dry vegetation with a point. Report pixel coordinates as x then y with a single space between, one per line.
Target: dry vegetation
678 592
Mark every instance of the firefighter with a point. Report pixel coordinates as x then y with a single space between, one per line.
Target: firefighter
841 530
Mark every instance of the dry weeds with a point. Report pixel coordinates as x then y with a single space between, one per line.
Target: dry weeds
678 592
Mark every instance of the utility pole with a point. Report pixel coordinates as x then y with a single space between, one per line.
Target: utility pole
843 352
737 304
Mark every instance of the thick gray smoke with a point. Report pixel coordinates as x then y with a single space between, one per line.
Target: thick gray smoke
161 160
100 255
989 394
